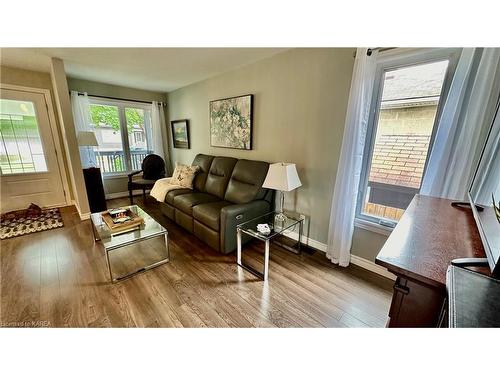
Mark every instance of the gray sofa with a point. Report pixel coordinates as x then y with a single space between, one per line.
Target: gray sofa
226 192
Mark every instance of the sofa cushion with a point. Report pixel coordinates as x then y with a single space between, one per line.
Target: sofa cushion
173 193
218 175
185 202
167 210
209 213
245 184
204 162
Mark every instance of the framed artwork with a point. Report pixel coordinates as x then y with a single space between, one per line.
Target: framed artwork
180 133
231 122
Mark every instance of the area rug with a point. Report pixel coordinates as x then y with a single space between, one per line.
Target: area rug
19 223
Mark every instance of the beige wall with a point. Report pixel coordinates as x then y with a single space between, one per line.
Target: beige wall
300 101
28 78
116 184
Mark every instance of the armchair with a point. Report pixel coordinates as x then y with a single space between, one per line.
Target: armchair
152 169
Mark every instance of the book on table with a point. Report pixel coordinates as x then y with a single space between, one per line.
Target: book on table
121 220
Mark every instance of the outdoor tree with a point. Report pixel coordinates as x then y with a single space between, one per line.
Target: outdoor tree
108 115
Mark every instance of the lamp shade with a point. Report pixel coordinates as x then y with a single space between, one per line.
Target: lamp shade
282 176
87 139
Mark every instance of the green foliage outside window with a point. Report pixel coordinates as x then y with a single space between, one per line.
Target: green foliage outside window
105 114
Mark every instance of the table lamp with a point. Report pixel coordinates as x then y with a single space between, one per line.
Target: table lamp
87 139
282 177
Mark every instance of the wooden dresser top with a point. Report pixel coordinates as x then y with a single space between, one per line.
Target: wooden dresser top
428 236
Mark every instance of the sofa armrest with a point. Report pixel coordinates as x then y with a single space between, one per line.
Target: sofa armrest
235 214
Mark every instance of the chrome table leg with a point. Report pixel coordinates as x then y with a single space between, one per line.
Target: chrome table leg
261 275
266 261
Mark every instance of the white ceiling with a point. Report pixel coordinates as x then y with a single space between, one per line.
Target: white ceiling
155 69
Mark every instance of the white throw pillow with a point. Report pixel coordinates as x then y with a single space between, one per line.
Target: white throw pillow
184 175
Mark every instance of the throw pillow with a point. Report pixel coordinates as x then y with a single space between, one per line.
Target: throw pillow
184 175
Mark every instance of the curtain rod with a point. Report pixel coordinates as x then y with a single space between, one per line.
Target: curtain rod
126 100
380 49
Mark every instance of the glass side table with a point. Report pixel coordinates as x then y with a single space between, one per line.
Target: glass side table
113 242
277 227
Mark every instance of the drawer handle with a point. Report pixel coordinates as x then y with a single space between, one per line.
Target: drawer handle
239 217
401 288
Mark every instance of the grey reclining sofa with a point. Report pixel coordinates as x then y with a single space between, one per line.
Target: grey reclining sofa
226 192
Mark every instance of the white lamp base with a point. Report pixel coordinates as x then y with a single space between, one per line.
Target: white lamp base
281 216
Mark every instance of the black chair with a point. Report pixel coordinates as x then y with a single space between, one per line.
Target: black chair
152 168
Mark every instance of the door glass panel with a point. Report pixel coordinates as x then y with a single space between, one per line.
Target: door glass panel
404 127
21 149
106 123
139 133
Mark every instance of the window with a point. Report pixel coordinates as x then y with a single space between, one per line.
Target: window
405 107
123 131
21 144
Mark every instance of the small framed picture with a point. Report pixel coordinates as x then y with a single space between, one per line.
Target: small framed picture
180 133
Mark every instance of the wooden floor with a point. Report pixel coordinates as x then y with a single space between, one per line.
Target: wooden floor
59 278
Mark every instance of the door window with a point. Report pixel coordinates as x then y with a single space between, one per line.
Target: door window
21 149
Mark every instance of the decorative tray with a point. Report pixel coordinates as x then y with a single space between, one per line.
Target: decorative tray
121 220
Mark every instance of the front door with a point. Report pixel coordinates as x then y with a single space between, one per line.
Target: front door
29 169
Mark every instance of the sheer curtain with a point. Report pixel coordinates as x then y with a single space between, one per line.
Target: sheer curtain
157 124
343 208
81 114
467 112
486 180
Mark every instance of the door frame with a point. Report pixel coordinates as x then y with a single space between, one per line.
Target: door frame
53 130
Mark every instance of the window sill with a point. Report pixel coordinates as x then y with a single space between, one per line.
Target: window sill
373 227
112 176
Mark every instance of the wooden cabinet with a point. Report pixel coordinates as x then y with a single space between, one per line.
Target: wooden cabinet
429 235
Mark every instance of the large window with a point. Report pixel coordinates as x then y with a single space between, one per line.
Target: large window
123 131
406 104
21 149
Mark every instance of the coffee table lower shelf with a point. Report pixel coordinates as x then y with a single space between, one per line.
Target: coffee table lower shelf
150 229
140 270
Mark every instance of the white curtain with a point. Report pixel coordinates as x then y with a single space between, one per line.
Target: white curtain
487 179
467 112
351 157
81 115
157 124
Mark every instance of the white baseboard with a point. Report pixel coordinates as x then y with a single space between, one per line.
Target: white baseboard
371 266
84 215
122 194
358 261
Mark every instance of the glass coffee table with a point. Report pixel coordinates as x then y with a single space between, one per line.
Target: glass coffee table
278 227
113 242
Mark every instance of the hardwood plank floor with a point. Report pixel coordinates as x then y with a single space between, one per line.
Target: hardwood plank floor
59 278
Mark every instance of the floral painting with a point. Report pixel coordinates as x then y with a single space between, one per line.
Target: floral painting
231 122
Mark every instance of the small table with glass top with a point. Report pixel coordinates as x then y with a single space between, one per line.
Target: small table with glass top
278 227
148 230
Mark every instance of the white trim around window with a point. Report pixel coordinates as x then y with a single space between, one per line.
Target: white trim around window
121 105
392 60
